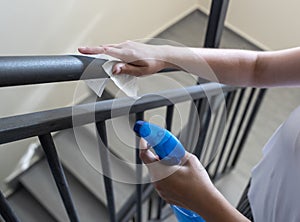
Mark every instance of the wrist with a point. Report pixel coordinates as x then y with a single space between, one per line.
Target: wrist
213 206
167 56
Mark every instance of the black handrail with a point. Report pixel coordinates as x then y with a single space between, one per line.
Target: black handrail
39 123
29 70
25 70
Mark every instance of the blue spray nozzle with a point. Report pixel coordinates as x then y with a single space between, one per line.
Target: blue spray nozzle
141 129
165 144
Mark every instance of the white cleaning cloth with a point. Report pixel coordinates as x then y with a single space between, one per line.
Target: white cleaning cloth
127 83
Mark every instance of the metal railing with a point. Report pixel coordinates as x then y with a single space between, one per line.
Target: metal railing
42 124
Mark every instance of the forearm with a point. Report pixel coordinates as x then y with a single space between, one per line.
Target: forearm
227 66
239 67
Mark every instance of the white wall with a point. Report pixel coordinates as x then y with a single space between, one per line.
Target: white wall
40 27
53 27
270 24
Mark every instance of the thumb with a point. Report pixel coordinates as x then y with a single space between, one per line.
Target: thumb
157 170
145 154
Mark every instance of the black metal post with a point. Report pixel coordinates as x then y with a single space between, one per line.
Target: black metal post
6 211
215 23
59 176
102 141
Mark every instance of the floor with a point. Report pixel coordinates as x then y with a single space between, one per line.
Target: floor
277 104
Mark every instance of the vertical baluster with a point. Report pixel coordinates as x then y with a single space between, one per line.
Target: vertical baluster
149 208
104 157
192 125
139 172
169 118
6 211
238 131
205 117
249 124
229 131
209 148
221 126
59 176
229 101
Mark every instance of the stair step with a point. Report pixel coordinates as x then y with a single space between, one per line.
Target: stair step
40 183
85 165
27 208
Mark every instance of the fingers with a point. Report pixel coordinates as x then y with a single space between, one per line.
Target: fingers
110 50
91 50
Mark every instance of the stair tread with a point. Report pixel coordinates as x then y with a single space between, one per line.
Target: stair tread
27 208
40 183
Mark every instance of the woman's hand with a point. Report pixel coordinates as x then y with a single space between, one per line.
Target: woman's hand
189 186
136 58
178 184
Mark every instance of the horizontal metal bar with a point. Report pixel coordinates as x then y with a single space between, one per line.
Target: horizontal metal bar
26 70
34 124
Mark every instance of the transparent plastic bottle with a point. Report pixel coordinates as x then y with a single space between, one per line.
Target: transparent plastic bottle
170 151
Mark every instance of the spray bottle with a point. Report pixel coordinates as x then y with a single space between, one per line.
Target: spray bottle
170 151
